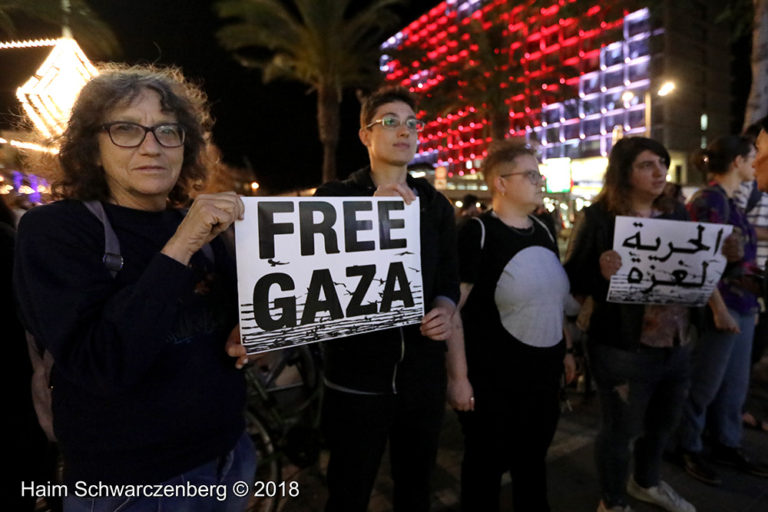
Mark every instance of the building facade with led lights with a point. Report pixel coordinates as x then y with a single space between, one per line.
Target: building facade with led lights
574 77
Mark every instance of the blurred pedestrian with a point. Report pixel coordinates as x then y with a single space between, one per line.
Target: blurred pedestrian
468 207
29 456
143 390
639 354
721 356
755 205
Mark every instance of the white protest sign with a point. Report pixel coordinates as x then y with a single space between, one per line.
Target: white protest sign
667 261
311 269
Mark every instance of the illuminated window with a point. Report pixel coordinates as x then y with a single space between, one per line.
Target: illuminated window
613 55
638 48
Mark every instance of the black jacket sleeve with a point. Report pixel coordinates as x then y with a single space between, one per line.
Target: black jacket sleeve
448 266
102 336
592 235
470 239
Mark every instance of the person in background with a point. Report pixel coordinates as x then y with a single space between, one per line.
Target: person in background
468 208
389 386
760 165
143 389
721 356
755 204
29 455
639 354
548 218
756 410
513 291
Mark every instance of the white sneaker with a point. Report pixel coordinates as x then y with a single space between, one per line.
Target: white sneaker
662 495
618 508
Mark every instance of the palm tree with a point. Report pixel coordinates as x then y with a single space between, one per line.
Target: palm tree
317 42
91 32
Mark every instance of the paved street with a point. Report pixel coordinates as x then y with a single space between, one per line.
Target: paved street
572 477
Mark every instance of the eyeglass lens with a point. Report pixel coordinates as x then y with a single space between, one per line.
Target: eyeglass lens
413 124
131 135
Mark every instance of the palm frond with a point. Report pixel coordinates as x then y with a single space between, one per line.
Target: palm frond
92 33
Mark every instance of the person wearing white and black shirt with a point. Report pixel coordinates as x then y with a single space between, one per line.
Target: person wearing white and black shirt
513 293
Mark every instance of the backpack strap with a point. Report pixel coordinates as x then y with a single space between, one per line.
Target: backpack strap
754 197
718 191
112 259
482 231
541 223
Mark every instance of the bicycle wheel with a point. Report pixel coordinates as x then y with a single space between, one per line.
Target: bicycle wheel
268 467
288 382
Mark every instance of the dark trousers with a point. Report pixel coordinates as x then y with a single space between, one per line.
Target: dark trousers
511 428
641 400
357 428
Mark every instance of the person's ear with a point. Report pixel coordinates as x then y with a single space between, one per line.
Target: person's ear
500 184
365 136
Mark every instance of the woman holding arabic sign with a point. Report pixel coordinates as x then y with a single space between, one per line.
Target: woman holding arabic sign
639 353
721 357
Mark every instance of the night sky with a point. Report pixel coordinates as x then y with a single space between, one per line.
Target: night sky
272 128
269 128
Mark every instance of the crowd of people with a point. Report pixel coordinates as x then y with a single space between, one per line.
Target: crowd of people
126 290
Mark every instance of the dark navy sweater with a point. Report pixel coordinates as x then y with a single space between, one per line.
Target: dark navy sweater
142 387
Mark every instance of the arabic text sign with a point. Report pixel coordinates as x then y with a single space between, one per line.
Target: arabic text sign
311 269
667 261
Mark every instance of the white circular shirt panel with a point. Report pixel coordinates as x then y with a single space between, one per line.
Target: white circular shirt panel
530 296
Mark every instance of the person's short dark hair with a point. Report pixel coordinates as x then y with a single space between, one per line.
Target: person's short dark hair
720 153
502 151
752 131
118 85
6 214
763 123
381 96
615 194
468 201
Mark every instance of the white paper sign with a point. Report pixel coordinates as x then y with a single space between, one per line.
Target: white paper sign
311 269
667 261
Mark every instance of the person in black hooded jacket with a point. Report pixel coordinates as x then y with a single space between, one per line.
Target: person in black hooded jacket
390 385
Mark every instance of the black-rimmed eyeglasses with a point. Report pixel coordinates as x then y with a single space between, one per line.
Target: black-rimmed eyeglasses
125 134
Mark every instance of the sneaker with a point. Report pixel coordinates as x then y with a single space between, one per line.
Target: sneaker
732 456
696 467
662 495
602 507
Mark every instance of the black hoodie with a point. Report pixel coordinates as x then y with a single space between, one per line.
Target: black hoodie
382 361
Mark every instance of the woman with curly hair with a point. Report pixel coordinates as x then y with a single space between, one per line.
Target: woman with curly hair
143 390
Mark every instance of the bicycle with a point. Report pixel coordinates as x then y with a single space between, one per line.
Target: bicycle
283 417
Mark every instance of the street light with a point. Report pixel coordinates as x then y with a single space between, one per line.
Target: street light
666 88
